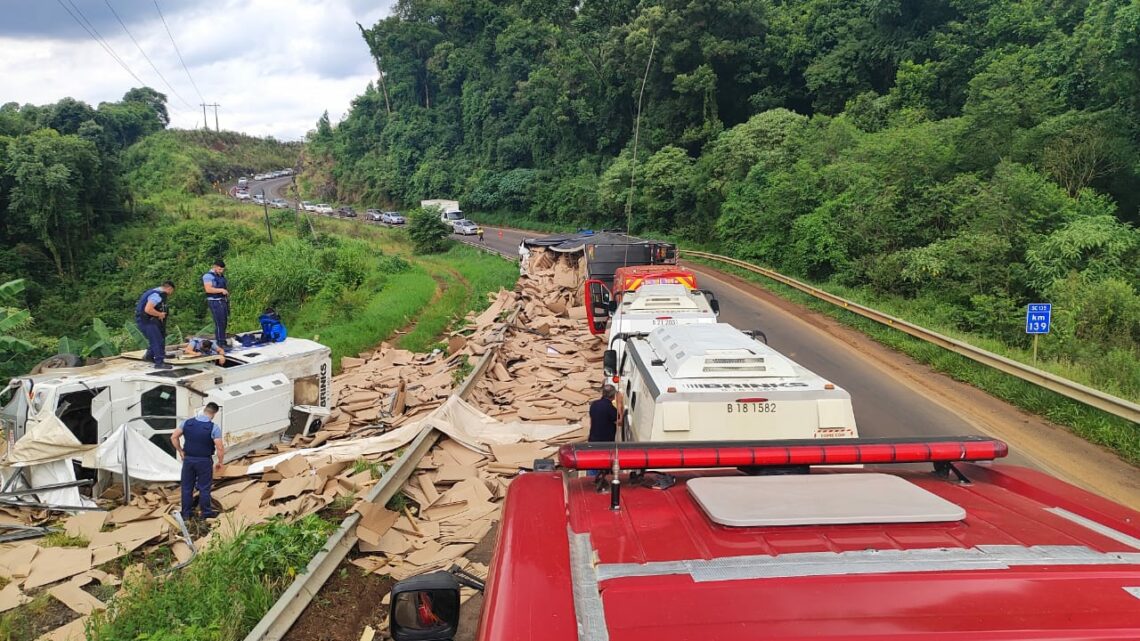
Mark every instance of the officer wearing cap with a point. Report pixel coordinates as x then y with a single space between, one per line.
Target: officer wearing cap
203 439
150 318
218 300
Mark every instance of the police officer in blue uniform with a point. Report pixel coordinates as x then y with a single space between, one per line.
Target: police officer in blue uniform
150 318
203 439
218 299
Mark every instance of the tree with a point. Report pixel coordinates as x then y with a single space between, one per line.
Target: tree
12 317
429 234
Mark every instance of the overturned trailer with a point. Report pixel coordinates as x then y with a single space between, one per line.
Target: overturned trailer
117 415
602 253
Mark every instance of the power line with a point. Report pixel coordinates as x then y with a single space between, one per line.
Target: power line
101 43
177 51
149 61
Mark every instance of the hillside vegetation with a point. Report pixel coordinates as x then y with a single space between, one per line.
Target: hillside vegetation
199 161
90 224
961 159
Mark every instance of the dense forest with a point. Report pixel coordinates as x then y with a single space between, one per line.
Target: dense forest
968 156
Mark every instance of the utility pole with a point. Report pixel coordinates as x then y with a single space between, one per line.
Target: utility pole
206 123
265 204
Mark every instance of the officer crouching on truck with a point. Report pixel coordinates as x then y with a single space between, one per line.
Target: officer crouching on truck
203 439
150 318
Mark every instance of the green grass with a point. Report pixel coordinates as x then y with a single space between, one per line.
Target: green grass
222 594
466 275
63 540
1093 425
374 468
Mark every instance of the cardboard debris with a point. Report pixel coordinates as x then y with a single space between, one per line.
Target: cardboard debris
76 598
11 597
74 631
60 564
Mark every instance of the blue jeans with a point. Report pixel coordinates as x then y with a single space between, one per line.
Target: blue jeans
155 341
197 472
220 310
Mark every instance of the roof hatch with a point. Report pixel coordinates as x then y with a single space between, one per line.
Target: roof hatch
819 499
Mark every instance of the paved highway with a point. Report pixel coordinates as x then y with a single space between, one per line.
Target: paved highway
894 395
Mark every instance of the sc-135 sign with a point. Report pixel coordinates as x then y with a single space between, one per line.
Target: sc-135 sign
1038 317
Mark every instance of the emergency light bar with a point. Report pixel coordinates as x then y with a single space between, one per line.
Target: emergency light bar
698 454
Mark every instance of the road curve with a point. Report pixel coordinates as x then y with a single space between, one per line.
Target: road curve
892 394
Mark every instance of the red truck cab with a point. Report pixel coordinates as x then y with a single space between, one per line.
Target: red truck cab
703 550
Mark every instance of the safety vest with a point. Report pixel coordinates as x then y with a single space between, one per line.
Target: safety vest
199 441
140 308
219 282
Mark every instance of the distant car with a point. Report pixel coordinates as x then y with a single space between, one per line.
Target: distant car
372 215
241 195
305 205
392 218
346 212
243 181
279 203
465 227
322 208
259 199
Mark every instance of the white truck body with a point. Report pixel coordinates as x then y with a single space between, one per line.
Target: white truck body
449 211
712 382
263 391
657 305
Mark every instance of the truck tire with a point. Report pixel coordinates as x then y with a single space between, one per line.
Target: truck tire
59 361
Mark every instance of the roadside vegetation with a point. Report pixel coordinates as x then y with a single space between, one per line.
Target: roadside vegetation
953 161
222 594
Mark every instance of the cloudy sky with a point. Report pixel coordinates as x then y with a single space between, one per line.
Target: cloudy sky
272 65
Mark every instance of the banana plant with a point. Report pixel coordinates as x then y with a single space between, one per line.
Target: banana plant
12 318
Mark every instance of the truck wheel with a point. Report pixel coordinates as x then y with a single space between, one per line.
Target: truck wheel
58 361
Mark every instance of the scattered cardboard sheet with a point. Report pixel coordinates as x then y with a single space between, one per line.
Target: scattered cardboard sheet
76 598
85 524
61 563
74 631
11 597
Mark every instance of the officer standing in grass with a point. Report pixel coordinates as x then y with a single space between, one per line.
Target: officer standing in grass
203 439
218 299
150 318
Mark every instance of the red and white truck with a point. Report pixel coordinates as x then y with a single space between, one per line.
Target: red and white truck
604 304
767 540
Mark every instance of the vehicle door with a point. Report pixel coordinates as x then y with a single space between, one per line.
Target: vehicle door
598 308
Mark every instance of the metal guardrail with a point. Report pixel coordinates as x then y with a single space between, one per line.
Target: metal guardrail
1094 398
292 603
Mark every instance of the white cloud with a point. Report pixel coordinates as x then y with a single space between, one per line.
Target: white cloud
273 65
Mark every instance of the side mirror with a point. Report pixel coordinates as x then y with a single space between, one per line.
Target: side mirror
425 608
609 362
759 335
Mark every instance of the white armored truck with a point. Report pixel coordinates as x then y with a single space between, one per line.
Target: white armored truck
264 391
653 306
709 382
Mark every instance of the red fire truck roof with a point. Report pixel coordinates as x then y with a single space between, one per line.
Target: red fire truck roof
1010 554
631 277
